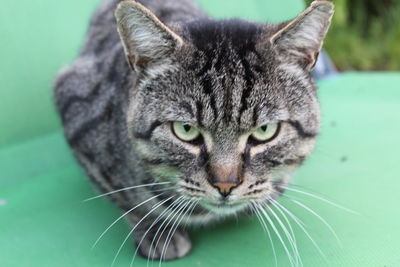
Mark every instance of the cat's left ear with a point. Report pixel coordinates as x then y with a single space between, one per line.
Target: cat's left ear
301 39
145 38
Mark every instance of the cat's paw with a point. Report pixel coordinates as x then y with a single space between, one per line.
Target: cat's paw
178 247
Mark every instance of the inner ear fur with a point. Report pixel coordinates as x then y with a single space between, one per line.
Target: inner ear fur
145 38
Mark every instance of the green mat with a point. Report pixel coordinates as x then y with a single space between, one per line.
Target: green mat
43 221
356 163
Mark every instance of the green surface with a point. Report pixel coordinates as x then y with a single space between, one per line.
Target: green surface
39 37
43 221
255 10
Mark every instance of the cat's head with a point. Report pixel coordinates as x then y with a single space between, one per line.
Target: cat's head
226 110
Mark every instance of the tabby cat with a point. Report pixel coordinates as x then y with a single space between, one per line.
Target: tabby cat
199 118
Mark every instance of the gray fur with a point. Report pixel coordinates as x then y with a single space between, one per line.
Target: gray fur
117 100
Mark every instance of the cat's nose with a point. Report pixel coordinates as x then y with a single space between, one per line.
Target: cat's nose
225 188
225 178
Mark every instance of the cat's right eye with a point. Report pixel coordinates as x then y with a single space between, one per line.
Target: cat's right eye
184 131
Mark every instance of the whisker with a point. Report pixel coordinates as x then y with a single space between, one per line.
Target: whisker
284 217
321 219
322 199
290 229
164 248
148 230
290 257
137 224
123 215
174 206
125 189
163 227
301 225
174 228
288 236
286 210
265 228
177 211
179 203
191 212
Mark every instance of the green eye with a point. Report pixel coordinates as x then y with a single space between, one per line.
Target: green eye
185 131
266 132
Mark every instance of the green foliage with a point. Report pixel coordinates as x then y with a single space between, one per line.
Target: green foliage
365 35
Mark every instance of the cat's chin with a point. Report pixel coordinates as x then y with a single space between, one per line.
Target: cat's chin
224 208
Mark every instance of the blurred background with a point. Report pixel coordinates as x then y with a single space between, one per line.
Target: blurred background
365 35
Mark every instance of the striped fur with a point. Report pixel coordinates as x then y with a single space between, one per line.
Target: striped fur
173 63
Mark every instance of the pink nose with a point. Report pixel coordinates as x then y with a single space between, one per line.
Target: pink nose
225 188
225 178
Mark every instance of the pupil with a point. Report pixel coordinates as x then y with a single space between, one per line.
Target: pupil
264 128
187 127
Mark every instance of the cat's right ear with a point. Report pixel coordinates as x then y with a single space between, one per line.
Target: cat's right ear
145 38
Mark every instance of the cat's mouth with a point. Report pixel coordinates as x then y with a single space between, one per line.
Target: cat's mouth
224 207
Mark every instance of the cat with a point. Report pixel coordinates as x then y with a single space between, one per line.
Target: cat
200 119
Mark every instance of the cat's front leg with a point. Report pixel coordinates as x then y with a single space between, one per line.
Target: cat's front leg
163 242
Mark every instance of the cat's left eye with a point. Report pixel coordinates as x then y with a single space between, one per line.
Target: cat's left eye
266 132
185 131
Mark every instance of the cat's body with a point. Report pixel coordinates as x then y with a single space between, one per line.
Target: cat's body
92 97
225 77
